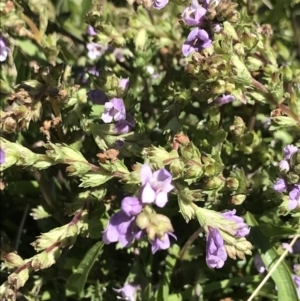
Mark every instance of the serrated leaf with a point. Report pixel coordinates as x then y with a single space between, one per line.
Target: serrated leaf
282 275
77 280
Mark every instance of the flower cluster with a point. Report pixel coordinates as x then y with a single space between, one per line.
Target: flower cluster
198 38
289 182
137 218
114 109
219 240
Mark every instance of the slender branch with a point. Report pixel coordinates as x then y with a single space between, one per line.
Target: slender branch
254 294
21 226
189 242
252 119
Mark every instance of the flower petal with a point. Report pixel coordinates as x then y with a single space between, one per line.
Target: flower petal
148 194
145 173
161 199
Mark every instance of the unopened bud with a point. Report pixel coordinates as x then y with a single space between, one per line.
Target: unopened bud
238 199
9 125
14 260
142 220
214 183
232 183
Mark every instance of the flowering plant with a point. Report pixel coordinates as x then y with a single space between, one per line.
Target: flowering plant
150 150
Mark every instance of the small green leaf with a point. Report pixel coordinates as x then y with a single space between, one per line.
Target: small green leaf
282 275
77 280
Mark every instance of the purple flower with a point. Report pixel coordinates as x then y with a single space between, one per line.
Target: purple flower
216 254
284 165
222 100
127 291
3 50
131 206
280 185
289 150
124 84
91 31
95 50
97 97
295 249
155 185
124 126
114 110
161 244
159 4
197 40
122 228
296 267
242 229
194 14
2 156
260 266
296 279
294 200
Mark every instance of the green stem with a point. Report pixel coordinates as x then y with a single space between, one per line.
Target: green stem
269 97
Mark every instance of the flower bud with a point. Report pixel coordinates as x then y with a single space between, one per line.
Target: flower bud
9 125
214 183
142 220
190 151
238 199
13 260
232 183
176 168
287 73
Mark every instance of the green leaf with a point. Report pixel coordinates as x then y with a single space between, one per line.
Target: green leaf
77 280
162 293
282 275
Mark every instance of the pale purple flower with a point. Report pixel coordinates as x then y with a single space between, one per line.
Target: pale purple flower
216 254
295 249
155 185
284 165
91 31
296 279
197 40
222 100
242 229
114 110
124 126
159 4
279 185
3 50
194 14
161 244
97 97
260 266
296 267
95 50
294 197
131 206
2 156
289 150
122 228
124 83
127 291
